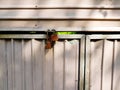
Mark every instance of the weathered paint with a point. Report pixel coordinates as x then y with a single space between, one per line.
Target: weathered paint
27 65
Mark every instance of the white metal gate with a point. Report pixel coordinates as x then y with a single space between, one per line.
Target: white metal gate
26 65
102 62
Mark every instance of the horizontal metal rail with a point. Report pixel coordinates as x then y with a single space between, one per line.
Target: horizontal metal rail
106 36
64 19
80 29
60 7
36 36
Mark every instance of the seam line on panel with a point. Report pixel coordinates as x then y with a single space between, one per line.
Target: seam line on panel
64 68
32 63
6 63
102 64
79 65
53 68
113 59
23 67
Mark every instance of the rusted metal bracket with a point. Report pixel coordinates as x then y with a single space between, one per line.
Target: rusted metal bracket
52 37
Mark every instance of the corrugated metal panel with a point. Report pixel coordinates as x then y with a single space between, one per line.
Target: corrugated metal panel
32 14
24 25
34 18
10 3
26 65
60 3
102 69
59 13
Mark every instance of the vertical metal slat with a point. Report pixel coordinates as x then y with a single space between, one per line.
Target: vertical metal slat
87 64
81 63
